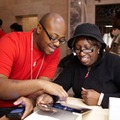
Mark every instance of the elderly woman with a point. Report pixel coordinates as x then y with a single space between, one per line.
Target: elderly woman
93 74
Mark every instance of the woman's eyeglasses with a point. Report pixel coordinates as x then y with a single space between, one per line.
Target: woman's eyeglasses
54 37
90 50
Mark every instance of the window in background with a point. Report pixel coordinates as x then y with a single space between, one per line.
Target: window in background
103 16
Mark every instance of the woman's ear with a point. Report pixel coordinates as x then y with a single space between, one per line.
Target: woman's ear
99 50
39 28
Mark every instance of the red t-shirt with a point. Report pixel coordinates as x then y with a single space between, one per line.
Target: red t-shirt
15 59
2 33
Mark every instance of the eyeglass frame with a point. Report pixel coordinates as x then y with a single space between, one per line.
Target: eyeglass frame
83 50
55 39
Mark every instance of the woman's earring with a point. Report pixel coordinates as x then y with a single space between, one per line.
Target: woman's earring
98 52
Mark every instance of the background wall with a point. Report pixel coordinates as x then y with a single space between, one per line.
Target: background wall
28 13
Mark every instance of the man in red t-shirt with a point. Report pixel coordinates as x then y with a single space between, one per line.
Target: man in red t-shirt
29 61
2 32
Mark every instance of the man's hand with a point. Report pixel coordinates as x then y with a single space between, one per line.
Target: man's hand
54 89
27 103
90 96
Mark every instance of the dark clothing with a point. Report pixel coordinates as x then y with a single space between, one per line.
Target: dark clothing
66 60
5 111
103 77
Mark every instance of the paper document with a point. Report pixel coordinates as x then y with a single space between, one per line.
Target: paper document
60 115
36 116
114 108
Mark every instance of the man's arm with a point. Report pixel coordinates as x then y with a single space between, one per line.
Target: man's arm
13 89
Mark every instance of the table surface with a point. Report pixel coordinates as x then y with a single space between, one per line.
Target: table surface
97 112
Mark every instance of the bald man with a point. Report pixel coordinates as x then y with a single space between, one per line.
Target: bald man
28 63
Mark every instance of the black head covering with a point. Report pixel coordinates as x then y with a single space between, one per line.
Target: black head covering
86 29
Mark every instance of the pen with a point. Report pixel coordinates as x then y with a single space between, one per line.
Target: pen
83 88
75 113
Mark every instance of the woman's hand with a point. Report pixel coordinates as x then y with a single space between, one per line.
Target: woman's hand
44 99
27 103
90 96
44 103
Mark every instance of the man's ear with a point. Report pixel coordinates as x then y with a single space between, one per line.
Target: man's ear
39 28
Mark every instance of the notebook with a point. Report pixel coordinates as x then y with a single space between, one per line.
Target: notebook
114 108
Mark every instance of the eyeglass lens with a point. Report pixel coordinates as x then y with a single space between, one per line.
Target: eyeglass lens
54 38
85 50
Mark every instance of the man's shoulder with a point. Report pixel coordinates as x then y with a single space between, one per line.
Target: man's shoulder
17 35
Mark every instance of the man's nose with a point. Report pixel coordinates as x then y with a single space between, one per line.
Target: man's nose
57 44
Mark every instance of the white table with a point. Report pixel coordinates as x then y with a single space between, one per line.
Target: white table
97 112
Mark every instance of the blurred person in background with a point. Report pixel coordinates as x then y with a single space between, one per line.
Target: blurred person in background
115 48
2 32
15 27
108 38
